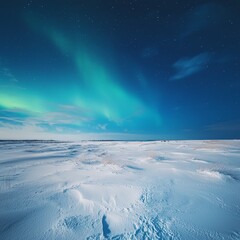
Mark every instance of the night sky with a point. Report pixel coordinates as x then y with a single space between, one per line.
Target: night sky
118 69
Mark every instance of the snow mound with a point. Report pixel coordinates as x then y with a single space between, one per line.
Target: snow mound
119 190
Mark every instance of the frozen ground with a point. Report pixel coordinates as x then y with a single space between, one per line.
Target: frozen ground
120 190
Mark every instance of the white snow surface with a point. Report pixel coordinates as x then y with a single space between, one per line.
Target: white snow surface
120 190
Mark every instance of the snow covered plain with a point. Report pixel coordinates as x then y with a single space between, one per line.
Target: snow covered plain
120 190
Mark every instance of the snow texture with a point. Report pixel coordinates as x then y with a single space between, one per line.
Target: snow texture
119 190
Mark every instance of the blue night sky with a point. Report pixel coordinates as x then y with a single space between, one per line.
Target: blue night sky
119 69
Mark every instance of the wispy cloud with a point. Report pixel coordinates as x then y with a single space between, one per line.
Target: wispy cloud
149 52
9 131
6 75
228 126
11 121
65 119
8 80
201 17
102 126
186 67
228 129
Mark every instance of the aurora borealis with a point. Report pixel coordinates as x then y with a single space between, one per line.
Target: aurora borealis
119 69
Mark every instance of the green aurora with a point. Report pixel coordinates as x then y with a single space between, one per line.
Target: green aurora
99 101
